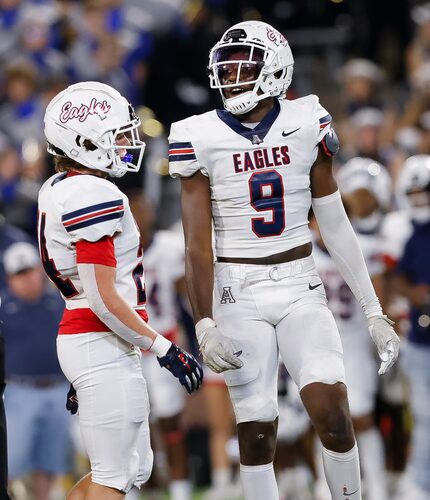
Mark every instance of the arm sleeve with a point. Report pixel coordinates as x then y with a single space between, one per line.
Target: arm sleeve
342 244
95 301
182 155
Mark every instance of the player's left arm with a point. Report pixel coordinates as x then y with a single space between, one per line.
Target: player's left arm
342 243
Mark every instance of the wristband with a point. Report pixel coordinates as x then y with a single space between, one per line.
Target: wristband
160 346
202 326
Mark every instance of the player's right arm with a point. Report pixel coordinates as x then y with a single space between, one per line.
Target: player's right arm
217 350
197 223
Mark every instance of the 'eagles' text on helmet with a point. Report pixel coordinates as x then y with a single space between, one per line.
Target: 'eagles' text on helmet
84 123
413 187
267 49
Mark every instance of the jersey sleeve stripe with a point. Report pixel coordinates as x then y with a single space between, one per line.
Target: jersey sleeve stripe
92 215
182 157
181 151
95 220
180 145
92 208
324 121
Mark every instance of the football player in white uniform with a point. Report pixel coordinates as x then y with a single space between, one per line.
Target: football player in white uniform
90 249
256 168
164 280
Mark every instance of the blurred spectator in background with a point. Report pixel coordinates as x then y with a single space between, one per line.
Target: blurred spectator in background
413 282
38 424
365 135
9 235
21 115
35 41
361 82
10 11
21 175
418 50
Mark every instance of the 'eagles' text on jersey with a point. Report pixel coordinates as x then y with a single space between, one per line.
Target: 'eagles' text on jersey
87 207
259 177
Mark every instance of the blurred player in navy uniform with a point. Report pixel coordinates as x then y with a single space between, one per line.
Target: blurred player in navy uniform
413 282
90 249
39 426
255 168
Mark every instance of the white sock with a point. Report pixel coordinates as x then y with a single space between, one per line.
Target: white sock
342 471
133 494
372 461
258 482
322 491
180 489
221 477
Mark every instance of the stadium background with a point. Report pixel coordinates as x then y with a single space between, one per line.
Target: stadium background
368 61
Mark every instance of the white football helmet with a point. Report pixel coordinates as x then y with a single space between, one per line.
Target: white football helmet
413 188
94 112
365 173
275 64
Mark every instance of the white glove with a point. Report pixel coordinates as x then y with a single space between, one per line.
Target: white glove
218 351
386 340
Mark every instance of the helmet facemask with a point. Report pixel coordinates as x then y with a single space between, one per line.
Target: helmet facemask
123 157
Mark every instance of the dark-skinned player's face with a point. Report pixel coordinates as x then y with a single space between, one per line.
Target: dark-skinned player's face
231 72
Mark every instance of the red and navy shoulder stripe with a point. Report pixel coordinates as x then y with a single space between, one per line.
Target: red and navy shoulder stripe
181 151
93 214
324 121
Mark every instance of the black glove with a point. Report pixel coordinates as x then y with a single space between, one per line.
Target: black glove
72 400
183 366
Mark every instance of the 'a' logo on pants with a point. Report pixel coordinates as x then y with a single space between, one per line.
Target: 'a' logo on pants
227 296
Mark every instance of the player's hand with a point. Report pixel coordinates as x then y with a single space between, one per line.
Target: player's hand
218 351
386 340
183 366
72 404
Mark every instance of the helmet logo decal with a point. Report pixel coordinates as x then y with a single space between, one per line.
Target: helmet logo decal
70 112
276 37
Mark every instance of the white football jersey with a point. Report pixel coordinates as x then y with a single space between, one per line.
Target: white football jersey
86 207
164 265
259 177
346 310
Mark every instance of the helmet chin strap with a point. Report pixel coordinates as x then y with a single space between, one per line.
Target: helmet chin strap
243 103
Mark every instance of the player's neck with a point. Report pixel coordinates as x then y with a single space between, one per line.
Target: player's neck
257 114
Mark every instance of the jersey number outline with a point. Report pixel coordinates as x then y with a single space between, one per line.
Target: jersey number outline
137 274
263 202
65 285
